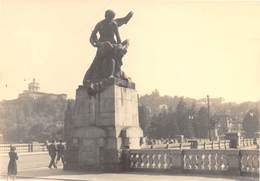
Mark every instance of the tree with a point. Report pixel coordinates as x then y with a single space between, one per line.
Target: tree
201 123
182 116
36 132
251 122
144 118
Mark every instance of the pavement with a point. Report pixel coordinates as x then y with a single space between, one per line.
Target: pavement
41 174
33 167
26 161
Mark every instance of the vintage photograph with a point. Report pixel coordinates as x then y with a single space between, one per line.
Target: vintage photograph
130 90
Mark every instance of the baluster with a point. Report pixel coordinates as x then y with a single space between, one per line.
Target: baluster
162 160
131 159
156 160
206 161
145 160
193 161
218 161
256 163
213 161
200 158
150 160
169 160
223 160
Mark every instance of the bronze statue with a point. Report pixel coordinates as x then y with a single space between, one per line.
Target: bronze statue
110 51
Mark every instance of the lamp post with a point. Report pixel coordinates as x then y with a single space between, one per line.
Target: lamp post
251 117
209 123
191 117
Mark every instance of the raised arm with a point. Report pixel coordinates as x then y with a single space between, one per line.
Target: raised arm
124 20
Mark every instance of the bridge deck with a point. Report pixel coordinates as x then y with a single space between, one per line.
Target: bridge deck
34 167
58 174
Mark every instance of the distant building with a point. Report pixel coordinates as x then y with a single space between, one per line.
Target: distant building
32 109
163 108
33 92
226 123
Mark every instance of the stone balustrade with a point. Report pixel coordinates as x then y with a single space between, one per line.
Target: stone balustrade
229 162
201 144
23 148
249 160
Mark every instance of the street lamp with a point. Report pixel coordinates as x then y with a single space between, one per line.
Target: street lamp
191 124
209 123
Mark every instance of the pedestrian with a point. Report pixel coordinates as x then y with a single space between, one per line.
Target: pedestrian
60 152
52 152
46 145
12 166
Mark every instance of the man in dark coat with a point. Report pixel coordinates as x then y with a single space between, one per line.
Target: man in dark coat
60 152
52 152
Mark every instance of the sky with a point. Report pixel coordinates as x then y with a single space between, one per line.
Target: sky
182 48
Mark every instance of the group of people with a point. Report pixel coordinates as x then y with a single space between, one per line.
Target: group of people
56 152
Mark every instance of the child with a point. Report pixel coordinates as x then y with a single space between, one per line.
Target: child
12 167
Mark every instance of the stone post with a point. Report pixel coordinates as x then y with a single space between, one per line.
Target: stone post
233 157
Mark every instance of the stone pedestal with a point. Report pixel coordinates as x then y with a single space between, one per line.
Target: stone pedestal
102 125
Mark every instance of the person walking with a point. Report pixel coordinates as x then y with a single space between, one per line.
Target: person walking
60 152
52 152
12 166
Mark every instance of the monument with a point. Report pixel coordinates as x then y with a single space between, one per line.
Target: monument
104 118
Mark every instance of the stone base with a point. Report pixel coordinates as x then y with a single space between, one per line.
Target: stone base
103 125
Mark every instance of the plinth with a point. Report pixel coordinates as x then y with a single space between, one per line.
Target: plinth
102 125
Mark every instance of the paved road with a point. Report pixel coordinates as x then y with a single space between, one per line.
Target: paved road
26 161
59 174
33 166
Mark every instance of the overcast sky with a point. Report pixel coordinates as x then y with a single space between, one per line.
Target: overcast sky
182 48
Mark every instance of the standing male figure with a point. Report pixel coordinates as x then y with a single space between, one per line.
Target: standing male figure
108 44
52 152
108 29
60 152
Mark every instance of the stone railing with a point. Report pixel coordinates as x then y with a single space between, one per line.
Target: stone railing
205 144
249 160
230 162
247 142
221 144
23 148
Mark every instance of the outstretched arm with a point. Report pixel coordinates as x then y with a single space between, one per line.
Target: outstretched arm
124 20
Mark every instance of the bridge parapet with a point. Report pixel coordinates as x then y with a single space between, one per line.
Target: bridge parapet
224 162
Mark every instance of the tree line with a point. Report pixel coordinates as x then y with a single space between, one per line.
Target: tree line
189 117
